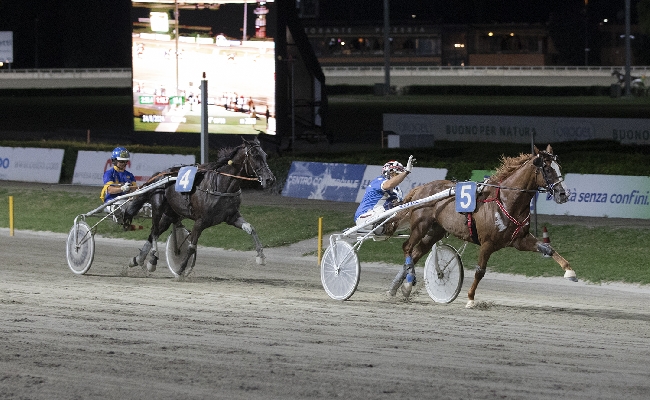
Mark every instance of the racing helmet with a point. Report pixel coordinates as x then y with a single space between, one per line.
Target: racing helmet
391 168
120 154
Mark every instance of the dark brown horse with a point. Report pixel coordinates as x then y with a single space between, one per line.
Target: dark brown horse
501 218
214 198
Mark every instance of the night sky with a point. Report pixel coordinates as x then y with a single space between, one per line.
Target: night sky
97 34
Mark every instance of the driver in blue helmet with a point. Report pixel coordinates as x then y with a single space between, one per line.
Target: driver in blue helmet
383 192
117 180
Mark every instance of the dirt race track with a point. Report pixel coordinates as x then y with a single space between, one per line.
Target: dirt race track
236 330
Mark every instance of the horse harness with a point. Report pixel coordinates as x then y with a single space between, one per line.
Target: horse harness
205 170
471 224
550 187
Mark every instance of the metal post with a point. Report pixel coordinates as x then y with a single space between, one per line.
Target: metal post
245 21
628 57
532 151
293 106
386 48
36 43
586 35
177 33
204 120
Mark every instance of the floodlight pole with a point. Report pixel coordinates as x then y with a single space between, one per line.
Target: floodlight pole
245 21
176 34
386 48
204 120
628 57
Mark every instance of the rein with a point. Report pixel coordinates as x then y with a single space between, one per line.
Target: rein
222 194
237 176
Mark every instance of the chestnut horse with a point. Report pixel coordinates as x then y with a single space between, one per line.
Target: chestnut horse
501 218
214 198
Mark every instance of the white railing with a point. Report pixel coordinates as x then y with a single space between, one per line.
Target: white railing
44 78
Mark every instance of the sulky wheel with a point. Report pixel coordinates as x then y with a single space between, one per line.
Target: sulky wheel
176 250
339 270
80 248
443 273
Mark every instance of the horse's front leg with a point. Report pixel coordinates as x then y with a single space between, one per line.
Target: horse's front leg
484 254
531 243
241 223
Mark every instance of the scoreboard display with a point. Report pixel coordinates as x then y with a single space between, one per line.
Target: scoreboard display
175 42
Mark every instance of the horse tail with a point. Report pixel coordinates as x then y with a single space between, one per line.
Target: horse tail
133 207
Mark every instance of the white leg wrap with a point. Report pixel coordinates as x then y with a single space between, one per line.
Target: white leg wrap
470 304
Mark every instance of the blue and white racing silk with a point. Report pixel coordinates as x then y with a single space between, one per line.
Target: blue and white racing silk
374 195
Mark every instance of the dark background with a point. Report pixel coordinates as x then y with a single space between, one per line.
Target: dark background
97 34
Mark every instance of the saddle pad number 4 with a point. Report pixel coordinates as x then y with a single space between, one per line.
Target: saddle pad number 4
465 196
185 180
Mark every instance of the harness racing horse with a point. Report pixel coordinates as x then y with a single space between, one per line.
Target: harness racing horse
214 198
501 218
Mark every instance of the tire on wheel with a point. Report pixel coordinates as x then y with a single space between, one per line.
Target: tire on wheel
80 248
340 270
443 273
176 250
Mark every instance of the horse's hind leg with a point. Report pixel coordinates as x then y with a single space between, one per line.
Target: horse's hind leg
139 259
163 224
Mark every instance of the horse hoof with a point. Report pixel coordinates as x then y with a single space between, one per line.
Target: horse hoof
391 293
406 289
151 267
133 263
470 304
408 284
571 275
260 260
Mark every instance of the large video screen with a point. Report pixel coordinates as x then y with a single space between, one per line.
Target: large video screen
175 42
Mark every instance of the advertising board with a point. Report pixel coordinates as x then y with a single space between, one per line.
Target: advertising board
30 164
6 46
516 129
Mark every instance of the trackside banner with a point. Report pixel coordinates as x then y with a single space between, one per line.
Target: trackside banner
515 129
323 181
611 196
30 164
91 165
345 182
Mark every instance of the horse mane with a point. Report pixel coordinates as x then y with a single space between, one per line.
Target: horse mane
508 166
224 155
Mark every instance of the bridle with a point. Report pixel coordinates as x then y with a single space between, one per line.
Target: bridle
255 175
550 184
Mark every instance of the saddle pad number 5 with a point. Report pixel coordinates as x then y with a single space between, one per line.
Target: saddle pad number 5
185 180
465 196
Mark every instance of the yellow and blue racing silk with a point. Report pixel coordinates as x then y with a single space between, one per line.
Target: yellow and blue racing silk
113 176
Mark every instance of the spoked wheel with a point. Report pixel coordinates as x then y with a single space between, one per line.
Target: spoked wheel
80 248
177 248
443 273
339 270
